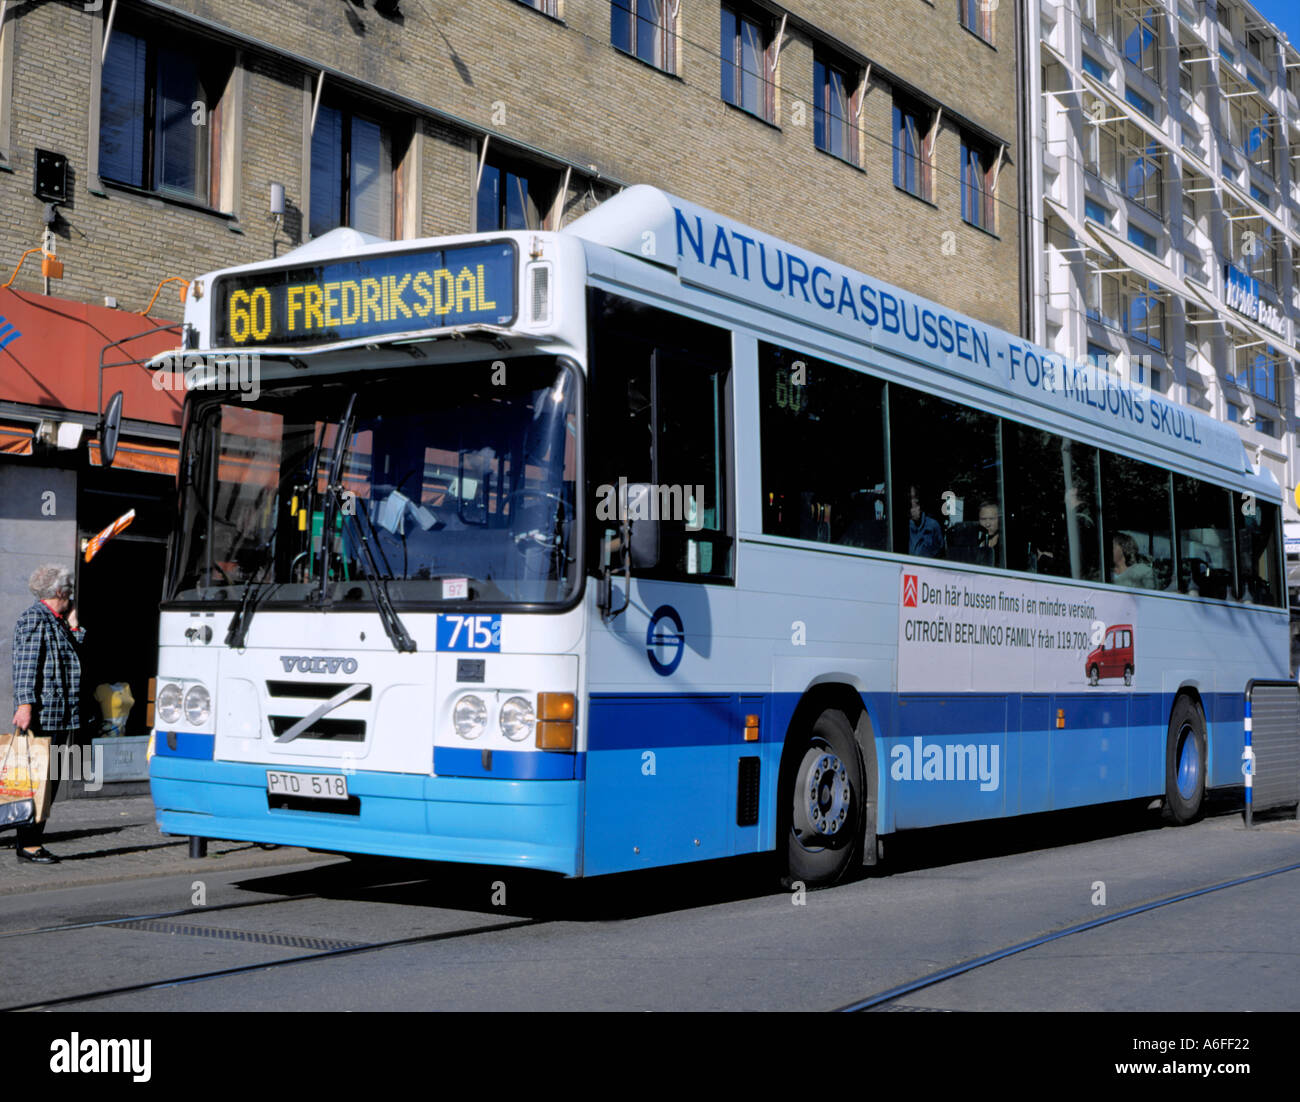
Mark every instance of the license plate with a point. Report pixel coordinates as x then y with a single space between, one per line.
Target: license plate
325 786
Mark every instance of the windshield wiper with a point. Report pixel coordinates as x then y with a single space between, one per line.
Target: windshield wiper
237 632
332 490
393 626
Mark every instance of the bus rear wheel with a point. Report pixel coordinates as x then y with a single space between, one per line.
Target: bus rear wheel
1185 762
822 794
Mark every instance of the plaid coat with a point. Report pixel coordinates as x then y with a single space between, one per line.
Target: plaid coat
47 668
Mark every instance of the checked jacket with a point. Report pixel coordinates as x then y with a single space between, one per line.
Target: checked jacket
47 668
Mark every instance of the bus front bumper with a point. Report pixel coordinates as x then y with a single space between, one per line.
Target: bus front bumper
525 824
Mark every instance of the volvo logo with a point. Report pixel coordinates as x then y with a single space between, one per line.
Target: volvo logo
317 664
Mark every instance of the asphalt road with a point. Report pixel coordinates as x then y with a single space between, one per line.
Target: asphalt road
710 937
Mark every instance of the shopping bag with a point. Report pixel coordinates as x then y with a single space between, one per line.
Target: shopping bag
24 779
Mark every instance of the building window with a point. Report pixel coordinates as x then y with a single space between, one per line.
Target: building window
1257 370
978 184
746 64
1143 178
351 173
1186 78
1234 413
1145 316
1143 104
1100 145
1101 296
1141 31
914 148
1095 68
643 28
1095 211
977 16
1142 239
835 109
157 102
513 196
1266 425
546 7
1100 356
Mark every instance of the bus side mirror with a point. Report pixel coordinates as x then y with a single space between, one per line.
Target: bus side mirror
110 429
642 526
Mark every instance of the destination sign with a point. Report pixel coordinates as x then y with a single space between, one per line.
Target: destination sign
369 296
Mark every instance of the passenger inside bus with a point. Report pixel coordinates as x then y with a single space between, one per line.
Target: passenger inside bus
1128 567
924 536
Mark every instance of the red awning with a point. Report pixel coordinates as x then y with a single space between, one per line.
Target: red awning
49 357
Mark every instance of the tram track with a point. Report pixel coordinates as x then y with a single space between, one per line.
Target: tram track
889 995
264 966
157 916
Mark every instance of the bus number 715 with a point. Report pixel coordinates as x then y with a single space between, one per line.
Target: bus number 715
464 633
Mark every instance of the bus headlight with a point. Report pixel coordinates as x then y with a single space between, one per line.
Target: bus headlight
517 718
168 704
469 716
198 705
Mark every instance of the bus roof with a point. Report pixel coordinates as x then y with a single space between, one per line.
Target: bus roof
728 258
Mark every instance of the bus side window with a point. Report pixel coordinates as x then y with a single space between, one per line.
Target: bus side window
1204 520
1051 486
821 432
1258 559
659 400
946 466
1136 504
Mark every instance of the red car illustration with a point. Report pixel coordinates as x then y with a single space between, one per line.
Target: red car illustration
1114 658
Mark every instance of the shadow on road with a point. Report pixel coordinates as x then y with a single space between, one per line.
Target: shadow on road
523 893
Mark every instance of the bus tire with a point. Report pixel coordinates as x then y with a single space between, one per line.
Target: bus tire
822 796
1185 762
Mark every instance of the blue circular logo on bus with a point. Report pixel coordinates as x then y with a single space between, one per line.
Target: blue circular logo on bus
665 640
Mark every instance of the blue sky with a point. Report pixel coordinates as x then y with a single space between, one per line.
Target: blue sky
1285 13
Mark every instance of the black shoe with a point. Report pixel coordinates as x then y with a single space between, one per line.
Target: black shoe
42 856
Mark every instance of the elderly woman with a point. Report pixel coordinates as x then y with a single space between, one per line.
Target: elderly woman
47 680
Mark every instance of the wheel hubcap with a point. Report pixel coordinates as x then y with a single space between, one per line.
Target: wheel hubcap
822 796
1189 763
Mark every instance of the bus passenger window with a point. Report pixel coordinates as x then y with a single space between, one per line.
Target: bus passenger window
1136 505
821 431
947 469
1051 485
1204 520
1258 564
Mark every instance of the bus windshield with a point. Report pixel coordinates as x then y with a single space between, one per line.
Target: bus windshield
462 483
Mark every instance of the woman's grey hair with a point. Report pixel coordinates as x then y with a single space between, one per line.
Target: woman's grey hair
49 581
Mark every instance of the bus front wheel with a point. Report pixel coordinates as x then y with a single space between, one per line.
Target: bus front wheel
822 798
1185 762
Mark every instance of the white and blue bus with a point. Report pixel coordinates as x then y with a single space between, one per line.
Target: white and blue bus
659 539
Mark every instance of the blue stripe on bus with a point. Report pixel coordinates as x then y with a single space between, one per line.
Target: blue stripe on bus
484 822
188 745
511 765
